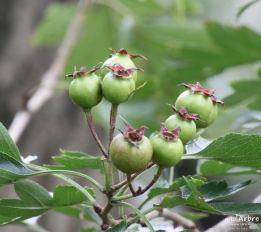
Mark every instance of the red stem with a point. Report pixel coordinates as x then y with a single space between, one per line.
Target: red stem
88 116
141 191
133 176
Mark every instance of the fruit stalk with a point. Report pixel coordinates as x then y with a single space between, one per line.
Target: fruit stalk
88 116
113 115
108 175
140 191
133 176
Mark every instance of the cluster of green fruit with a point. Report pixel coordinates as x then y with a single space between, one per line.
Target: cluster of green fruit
116 81
131 151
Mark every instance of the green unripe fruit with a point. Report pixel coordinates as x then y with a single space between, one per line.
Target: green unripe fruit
197 103
167 147
131 151
213 115
116 89
188 127
128 158
85 90
166 153
118 85
123 58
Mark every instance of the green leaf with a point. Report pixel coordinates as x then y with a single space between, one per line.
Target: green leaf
80 213
72 160
9 163
52 28
33 194
231 208
164 187
235 149
15 208
194 216
12 170
175 186
171 202
7 145
245 91
216 190
195 199
69 195
121 227
244 7
215 168
35 200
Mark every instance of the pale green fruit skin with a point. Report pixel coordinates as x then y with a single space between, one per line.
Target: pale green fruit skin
196 104
117 89
188 127
213 115
126 157
166 153
85 91
122 59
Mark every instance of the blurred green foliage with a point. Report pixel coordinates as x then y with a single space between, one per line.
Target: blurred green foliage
179 45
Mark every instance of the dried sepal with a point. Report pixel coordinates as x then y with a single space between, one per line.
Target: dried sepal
207 92
119 71
169 134
198 88
83 71
182 112
132 135
123 51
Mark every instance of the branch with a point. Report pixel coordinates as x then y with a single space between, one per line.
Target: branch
50 78
176 218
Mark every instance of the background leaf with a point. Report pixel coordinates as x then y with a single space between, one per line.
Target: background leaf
52 28
236 149
215 168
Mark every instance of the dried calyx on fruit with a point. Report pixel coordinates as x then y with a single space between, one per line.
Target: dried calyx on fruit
167 147
122 57
200 101
85 89
185 120
118 85
132 135
199 89
130 151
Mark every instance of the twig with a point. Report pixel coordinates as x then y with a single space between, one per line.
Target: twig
88 116
176 218
50 78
